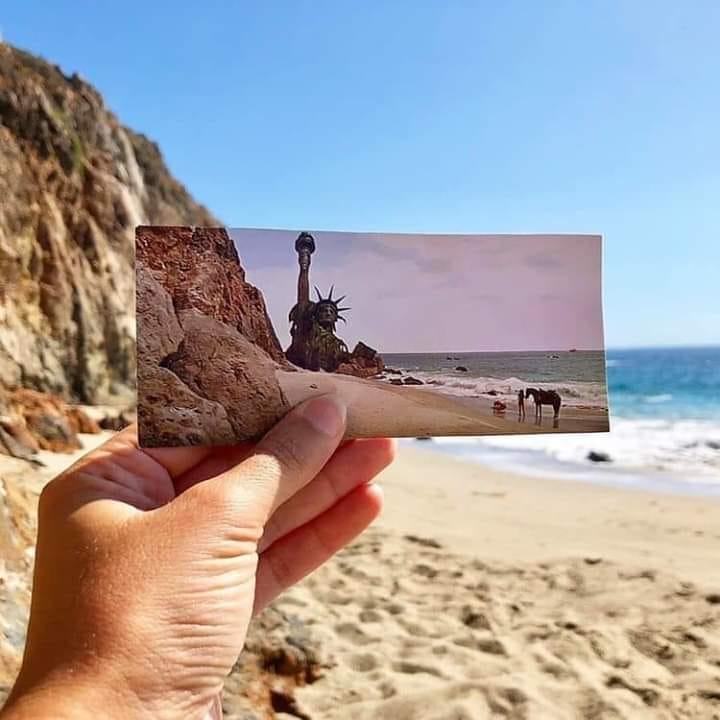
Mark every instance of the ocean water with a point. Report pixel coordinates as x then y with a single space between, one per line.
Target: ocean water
664 413
578 376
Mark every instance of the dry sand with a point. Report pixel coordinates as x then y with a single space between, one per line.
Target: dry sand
480 594
379 408
484 595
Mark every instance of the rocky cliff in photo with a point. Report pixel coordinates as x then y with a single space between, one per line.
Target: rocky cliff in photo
74 183
207 351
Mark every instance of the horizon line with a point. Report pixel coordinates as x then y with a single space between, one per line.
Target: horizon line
611 348
511 350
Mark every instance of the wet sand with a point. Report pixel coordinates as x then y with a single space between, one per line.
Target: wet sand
377 408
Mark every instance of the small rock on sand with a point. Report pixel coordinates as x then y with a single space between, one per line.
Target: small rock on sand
595 456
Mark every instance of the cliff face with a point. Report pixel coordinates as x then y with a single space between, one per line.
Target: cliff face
207 351
200 269
74 183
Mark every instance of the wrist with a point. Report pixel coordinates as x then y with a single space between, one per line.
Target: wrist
71 698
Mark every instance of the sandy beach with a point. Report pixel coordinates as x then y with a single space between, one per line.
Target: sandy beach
379 408
479 594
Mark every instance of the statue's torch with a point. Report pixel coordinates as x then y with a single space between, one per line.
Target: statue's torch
305 247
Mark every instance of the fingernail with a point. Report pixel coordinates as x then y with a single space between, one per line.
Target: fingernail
326 414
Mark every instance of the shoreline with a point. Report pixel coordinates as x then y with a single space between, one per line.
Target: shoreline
421 475
539 464
381 408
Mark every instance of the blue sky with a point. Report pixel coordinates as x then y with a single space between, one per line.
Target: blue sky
434 116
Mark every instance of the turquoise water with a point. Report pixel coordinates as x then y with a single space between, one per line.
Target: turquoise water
664 417
670 384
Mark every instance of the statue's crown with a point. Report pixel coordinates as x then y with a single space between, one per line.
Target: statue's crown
335 303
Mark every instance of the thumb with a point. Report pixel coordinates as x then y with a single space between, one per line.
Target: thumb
283 462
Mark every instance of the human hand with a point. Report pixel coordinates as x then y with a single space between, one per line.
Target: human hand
150 563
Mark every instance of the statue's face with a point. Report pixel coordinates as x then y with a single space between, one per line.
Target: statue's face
326 315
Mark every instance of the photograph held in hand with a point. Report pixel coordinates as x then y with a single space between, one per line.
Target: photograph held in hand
419 334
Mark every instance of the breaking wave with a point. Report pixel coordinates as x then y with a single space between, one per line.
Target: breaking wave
572 393
689 450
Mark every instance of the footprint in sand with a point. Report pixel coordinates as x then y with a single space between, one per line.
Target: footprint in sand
412 628
292 600
425 571
369 616
395 608
352 633
489 645
387 690
410 668
333 597
363 662
474 619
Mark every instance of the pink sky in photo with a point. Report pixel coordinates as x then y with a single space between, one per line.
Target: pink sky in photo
440 293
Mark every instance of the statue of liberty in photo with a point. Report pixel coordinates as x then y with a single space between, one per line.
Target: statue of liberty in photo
315 346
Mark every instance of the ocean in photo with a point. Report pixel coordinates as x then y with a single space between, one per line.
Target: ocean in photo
664 413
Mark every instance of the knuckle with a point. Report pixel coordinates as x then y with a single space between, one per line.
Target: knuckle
286 454
280 570
212 498
52 493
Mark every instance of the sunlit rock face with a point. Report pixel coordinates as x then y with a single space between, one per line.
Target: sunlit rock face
207 353
74 184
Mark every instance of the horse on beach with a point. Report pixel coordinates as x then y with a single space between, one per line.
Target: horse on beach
544 397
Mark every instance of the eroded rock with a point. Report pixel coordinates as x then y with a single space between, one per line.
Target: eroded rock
207 353
200 270
364 362
47 418
74 184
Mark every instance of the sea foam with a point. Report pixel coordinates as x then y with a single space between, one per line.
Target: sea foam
688 450
572 393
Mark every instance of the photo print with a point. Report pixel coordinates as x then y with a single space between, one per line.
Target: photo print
420 334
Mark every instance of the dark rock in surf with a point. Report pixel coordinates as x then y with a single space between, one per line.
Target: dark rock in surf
598 457
461 368
412 381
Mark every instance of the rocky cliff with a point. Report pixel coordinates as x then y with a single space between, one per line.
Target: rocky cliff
74 183
207 353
